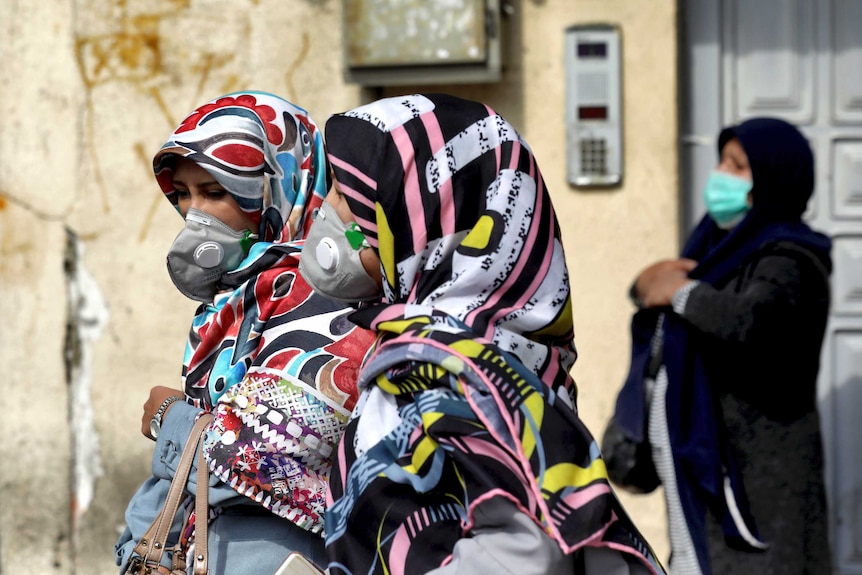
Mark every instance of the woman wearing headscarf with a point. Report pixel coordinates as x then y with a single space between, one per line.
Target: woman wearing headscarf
465 453
737 323
275 363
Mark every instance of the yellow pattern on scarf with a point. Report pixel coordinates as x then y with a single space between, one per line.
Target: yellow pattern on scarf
564 475
386 245
480 235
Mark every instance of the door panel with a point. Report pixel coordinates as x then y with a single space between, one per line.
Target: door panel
847 54
846 360
769 64
847 196
847 277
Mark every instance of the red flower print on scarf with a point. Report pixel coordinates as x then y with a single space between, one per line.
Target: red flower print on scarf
265 113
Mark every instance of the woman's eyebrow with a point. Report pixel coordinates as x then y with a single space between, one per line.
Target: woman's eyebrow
208 183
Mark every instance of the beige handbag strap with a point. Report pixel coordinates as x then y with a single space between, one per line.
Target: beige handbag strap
202 512
151 547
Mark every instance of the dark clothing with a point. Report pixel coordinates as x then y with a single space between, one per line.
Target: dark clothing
785 459
762 331
761 336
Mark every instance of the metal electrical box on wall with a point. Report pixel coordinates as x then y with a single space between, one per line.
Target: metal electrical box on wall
594 105
390 42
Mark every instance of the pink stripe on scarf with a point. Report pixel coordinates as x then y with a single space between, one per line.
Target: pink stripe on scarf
586 495
351 169
481 447
341 454
445 193
369 225
389 312
412 192
397 558
553 367
521 263
355 195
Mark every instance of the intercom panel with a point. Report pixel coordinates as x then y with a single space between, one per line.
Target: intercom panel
594 105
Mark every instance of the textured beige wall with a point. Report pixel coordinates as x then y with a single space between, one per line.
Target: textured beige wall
38 169
91 89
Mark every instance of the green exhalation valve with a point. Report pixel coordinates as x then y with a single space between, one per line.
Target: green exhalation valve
356 237
248 240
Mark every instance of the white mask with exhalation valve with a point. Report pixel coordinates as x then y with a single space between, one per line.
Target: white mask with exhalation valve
330 261
204 250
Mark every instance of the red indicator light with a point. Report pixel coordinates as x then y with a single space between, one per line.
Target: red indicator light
592 113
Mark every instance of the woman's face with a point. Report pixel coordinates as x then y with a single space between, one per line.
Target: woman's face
196 188
734 161
369 258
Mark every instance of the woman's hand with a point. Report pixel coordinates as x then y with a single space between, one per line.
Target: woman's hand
157 395
656 285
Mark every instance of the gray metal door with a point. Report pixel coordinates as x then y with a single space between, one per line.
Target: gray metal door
800 60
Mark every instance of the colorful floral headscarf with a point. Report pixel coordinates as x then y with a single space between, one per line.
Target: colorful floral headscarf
467 395
275 362
266 152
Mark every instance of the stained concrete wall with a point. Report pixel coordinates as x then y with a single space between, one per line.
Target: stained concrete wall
88 317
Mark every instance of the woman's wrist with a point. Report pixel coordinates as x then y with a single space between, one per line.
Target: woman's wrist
680 297
158 417
634 297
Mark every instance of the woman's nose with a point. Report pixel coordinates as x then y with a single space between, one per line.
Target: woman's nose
196 201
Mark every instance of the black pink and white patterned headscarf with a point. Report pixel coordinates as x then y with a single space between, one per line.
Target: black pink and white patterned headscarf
276 363
455 206
467 395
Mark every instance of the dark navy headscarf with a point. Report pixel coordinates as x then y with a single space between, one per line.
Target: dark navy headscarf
782 167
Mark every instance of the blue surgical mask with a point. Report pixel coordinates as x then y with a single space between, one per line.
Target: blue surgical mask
726 198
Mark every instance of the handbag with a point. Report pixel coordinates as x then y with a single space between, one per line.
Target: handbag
628 459
148 552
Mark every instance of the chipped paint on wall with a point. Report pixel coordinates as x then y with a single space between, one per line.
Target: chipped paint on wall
149 48
87 316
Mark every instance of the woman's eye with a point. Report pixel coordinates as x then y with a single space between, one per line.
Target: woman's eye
215 194
182 194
